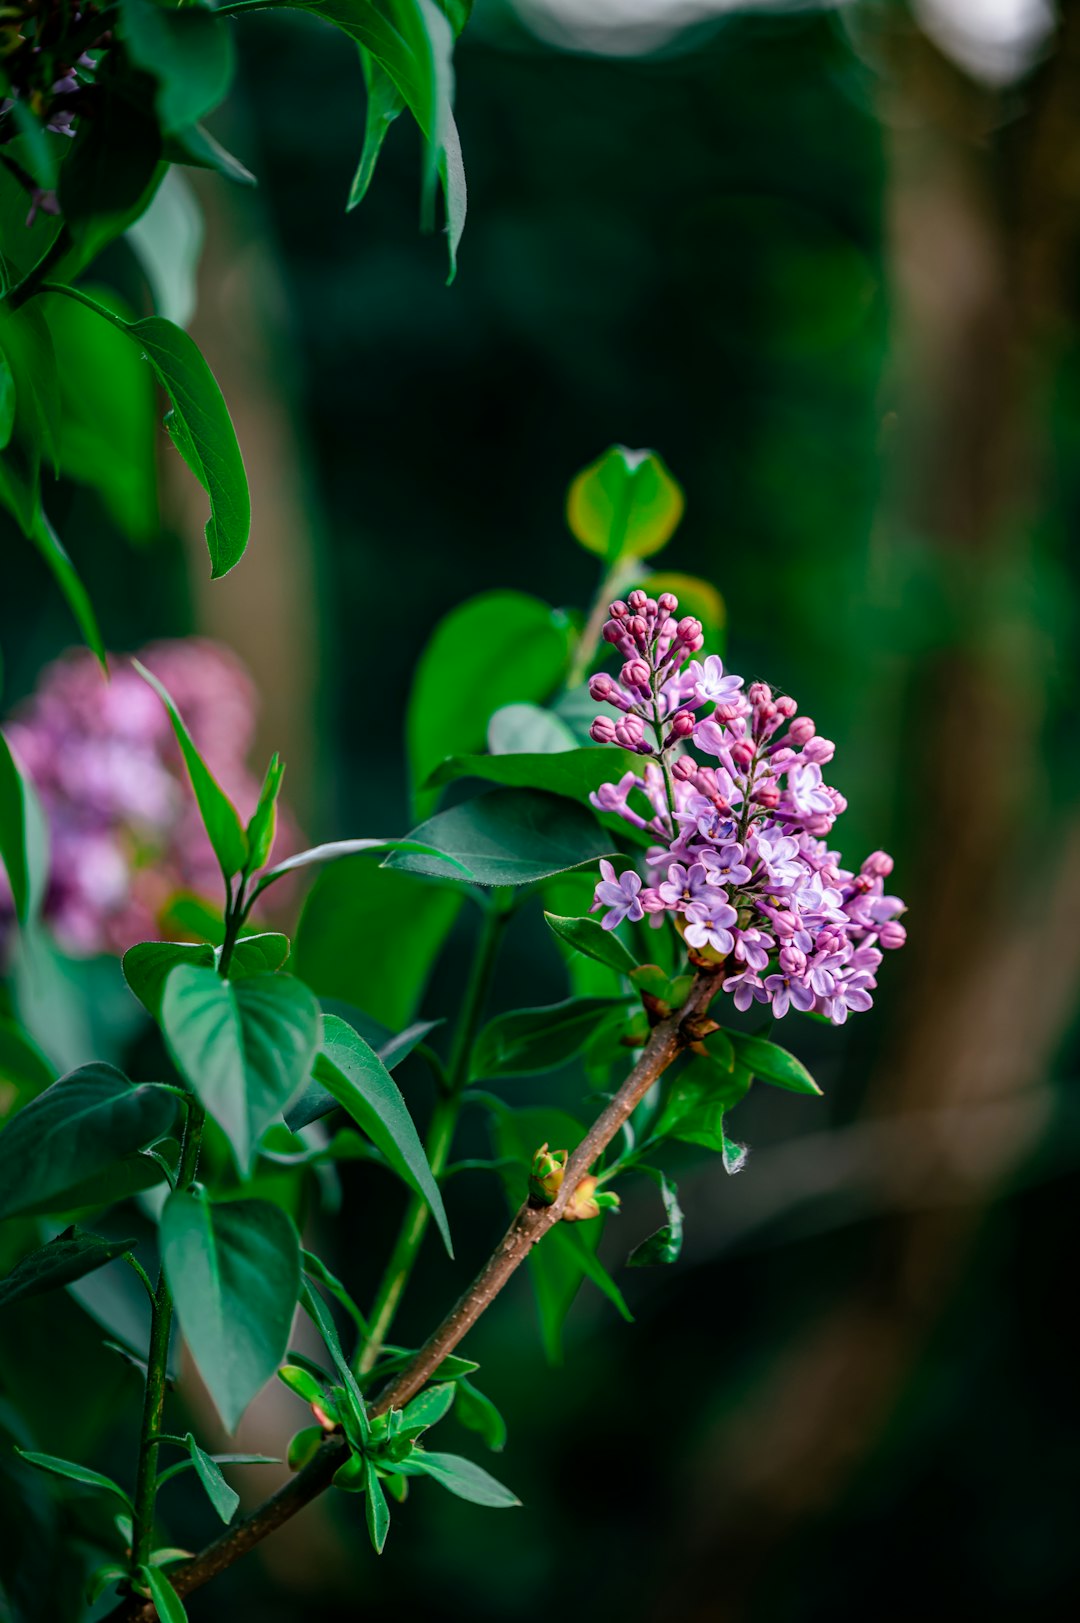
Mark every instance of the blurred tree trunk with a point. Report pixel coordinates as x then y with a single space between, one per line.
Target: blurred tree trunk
982 225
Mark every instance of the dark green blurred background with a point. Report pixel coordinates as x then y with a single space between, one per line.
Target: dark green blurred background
825 263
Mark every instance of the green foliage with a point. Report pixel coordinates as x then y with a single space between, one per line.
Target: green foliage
75 1473
772 1063
461 1478
167 1602
576 773
493 650
244 1047
83 1129
507 837
234 1271
148 965
663 1246
224 1499
624 505
530 1040
13 831
591 940
70 1256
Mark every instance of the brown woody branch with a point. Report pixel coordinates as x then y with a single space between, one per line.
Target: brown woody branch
529 1225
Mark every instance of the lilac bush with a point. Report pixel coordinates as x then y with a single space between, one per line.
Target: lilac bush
739 858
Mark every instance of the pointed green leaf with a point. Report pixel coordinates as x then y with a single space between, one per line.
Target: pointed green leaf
772 1064
384 103
69 1256
74 1473
197 147
66 577
244 1047
189 53
375 1507
335 849
169 1606
508 837
461 1477
351 1070
263 825
663 1246
432 1405
319 1313
216 809
476 1411
576 773
526 1041
233 1268
13 832
148 965
593 941
224 1499
314 1101
82 1126
624 505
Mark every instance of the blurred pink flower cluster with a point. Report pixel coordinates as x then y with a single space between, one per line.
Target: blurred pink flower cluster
124 829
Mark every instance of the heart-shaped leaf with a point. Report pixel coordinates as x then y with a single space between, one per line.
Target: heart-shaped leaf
508 837
244 1047
81 1127
148 965
526 1041
233 1268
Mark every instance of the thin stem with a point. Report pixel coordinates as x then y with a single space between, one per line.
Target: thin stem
146 1483
33 282
440 1137
611 584
530 1224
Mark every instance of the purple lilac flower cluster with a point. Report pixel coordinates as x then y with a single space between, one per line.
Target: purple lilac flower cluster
124 830
742 862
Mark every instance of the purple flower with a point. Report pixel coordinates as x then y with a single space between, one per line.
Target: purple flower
620 894
685 885
783 990
709 925
746 988
726 866
705 682
850 996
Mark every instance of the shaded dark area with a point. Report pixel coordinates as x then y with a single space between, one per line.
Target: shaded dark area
835 287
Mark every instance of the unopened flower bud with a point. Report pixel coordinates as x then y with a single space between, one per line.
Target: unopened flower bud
636 674
602 730
786 706
684 770
792 959
892 934
638 600
689 629
820 750
682 724
618 610
639 627
667 602
801 731
767 794
629 732
729 711
759 693
545 1179
601 687
588 1201
742 753
612 632
879 864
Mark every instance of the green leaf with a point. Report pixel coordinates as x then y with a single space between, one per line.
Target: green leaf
319 1314
526 1041
384 103
476 1411
576 773
508 837
315 1101
376 1509
234 1272
370 936
200 427
197 147
13 832
74 1473
336 849
82 1126
167 1603
663 1246
624 505
110 172
524 729
694 1107
218 813
189 53
461 1477
244 1047
22 1064
7 401
263 825
69 1256
593 941
772 1064
361 1084
224 1499
697 597
591 1266
148 965
67 579
167 241
492 650
432 1405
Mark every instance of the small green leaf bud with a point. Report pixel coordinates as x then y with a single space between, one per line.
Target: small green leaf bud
545 1179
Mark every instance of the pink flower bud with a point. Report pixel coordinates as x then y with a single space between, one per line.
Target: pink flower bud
618 610
786 706
892 934
603 730
694 644
636 674
767 794
612 632
639 627
651 901
801 731
667 603
688 629
601 687
759 693
684 770
682 724
730 711
879 864
820 750
742 753
629 732
792 959
638 600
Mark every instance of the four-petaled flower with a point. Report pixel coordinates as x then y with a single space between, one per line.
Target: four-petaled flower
620 894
